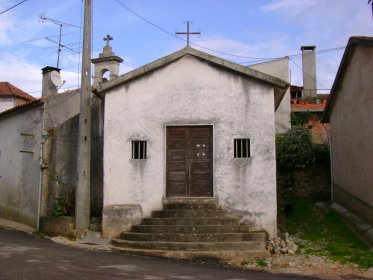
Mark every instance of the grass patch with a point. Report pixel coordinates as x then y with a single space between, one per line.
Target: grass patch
257 262
325 233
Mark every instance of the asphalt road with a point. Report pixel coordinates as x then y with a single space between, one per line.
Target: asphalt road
27 256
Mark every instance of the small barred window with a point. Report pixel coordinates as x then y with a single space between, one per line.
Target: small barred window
241 148
138 149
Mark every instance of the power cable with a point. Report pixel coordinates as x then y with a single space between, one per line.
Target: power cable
257 59
309 75
182 39
13 7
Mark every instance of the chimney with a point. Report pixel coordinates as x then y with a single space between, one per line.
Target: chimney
48 84
309 71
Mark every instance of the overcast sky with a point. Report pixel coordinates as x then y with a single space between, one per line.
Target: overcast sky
249 30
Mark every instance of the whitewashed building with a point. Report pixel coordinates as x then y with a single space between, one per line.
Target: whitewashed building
190 125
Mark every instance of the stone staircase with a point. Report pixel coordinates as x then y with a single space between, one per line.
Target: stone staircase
193 228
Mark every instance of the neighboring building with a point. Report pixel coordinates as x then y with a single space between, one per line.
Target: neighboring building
313 108
349 112
305 101
279 68
11 96
190 125
38 156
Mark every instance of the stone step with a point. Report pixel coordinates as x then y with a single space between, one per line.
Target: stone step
199 200
218 256
201 237
189 229
191 222
200 213
192 246
190 205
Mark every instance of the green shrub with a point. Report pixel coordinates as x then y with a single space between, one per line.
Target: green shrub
295 149
299 118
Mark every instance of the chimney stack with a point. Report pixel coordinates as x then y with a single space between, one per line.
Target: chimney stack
48 87
309 71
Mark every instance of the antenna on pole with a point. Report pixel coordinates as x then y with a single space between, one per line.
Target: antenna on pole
43 19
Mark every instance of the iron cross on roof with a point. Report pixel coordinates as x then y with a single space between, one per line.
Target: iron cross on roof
188 32
108 38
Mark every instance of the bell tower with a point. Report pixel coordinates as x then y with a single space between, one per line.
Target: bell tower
106 62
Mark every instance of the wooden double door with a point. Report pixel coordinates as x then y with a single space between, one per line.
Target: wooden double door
189 161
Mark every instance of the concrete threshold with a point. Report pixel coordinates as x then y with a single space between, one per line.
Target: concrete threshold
216 256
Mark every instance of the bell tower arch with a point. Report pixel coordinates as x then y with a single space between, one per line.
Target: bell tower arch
106 65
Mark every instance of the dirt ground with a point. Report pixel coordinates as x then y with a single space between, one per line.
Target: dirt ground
317 266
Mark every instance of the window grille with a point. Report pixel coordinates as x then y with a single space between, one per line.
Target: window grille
138 149
241 148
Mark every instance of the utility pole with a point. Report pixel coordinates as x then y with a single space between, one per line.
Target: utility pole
82 199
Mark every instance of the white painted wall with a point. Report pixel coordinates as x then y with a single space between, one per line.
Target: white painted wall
6 103
279 68
189 92
20 171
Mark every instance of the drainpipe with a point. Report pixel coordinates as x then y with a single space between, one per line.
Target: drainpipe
328 132
42 140
39 191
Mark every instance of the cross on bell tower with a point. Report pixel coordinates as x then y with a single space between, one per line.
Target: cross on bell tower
106 62
188 32
107 39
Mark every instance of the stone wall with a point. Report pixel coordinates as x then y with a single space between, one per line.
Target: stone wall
313 183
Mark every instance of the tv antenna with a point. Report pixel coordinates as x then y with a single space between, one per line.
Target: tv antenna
42 19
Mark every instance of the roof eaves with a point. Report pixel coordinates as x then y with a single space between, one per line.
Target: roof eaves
11 90
21 108
352 43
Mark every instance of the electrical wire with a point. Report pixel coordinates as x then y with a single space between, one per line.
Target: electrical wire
256 59
307 74
13 7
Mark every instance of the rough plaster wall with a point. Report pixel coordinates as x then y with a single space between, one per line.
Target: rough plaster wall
20 172
351 122
280 69
63 163
191 92
62 123
96 159
61 107
6 102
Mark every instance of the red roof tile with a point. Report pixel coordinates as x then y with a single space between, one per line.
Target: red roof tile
7 89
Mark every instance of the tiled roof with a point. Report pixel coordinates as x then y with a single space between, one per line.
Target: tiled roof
7 89
21 107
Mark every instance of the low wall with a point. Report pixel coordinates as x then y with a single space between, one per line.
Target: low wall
310 183
57 225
